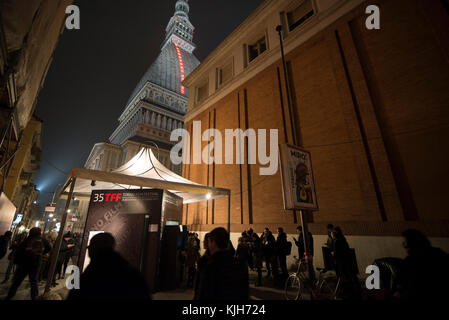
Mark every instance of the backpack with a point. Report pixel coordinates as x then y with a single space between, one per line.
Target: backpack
288 248
34 247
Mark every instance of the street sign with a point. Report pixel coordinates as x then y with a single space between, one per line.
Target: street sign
297 178
18 219
50 209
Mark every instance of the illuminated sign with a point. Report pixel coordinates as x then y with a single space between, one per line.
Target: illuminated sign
51 207
107 197
181 67
18 218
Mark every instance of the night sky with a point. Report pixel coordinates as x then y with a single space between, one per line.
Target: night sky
96 68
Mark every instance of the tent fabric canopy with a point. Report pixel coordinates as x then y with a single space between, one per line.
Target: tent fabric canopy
142 171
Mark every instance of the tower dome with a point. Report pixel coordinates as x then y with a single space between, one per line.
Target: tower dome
182 8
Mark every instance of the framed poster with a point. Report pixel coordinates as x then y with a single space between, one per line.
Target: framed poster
297 178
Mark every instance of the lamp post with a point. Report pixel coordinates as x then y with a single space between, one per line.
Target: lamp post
303 213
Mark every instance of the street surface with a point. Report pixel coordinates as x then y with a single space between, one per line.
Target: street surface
266 292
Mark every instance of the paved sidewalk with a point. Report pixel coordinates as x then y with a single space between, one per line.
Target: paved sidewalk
266 292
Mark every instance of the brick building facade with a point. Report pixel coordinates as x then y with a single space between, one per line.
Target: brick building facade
372 107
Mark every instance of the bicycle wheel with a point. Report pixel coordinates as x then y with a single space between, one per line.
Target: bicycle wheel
292 287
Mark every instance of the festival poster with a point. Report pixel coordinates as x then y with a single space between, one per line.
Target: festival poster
297 178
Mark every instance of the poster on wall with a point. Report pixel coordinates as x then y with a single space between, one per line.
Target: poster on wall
297 178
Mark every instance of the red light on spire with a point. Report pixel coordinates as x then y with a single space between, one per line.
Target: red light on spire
181 67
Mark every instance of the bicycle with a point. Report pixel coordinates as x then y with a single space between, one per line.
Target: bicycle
298 284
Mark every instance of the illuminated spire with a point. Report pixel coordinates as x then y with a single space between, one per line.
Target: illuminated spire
182 8
179 29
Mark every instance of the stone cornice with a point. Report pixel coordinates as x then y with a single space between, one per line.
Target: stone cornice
230 41
144 94
98 147
318 23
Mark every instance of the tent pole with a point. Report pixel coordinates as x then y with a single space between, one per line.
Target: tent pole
229 213
57 246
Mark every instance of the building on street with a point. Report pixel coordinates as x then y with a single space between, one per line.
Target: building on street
370 105
29 33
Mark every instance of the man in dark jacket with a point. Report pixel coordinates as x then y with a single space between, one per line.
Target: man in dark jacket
223 278
65 253
28 258
268 244
281 247
300 243
109 276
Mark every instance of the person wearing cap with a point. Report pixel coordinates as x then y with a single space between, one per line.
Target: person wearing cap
109 276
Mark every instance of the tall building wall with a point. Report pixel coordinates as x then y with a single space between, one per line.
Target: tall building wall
372 108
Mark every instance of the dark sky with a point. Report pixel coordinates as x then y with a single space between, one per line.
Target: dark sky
96 68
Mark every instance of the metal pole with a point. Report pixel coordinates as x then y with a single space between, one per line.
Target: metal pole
287 88
305 232
303 213
289 101
57 246
229 213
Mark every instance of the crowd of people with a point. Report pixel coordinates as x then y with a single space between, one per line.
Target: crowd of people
29 255
254 251
222 271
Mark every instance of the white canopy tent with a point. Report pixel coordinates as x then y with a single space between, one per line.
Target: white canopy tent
142 171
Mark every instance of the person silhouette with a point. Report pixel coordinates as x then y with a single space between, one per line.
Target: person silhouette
109 276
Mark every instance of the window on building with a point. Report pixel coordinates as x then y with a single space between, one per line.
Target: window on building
257 48
224 74
202 92
302 12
